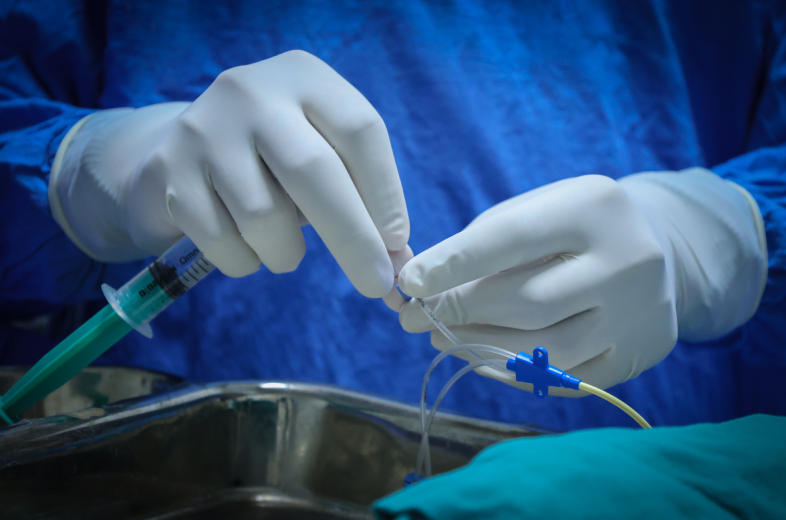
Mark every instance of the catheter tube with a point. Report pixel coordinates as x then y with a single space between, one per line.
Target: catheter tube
459 347
496 364
457 342
423 452
430 314
616 402
454 350
424 456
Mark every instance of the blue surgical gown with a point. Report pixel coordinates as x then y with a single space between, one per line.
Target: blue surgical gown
483 100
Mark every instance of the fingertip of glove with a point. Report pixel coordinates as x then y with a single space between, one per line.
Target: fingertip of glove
239 270
403 320
396 240
410 280
412 319
376 282
375 289
400 258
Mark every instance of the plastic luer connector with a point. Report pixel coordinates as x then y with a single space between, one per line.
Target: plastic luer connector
535 369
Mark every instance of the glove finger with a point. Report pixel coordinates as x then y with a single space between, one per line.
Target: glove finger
547 224
318 183
393 300
196 209
525 298
512 202
400 258
264 214
605 370
463 305
359 136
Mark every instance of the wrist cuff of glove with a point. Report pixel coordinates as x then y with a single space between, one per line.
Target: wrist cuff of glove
714 233
762 236
66 163
55 178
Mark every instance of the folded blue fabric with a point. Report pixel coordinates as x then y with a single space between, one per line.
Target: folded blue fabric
735 469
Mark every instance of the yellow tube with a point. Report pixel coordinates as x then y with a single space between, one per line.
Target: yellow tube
616 402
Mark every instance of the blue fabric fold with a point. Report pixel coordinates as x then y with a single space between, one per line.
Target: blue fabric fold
729 471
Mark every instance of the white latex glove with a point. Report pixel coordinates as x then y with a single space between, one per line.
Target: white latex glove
232 169
602 274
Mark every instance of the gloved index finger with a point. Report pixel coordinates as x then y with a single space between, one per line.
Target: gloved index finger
526 233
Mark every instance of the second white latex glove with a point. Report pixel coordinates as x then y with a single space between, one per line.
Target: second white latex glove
602 274
234 170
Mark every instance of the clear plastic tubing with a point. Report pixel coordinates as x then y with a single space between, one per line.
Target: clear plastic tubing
423 452
499 365
457 342
154 289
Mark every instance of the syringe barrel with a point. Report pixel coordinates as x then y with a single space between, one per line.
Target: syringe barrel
151 291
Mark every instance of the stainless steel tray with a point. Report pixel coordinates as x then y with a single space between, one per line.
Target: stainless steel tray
245 450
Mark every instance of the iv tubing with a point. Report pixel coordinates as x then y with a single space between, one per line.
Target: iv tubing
453 339
445 353
423 452
616 402
424 456
496 364
457 342
427 376
488 348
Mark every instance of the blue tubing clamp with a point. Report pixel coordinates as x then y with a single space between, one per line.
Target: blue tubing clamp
535 369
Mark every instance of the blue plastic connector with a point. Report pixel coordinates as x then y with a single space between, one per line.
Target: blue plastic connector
535 369
412 478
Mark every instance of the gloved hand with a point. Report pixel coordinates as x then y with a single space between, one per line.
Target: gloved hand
603 274
731 470
234 170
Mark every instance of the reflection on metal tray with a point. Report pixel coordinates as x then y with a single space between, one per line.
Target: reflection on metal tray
246 450
93 386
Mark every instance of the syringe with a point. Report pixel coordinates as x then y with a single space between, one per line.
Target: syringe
132 306
154 289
